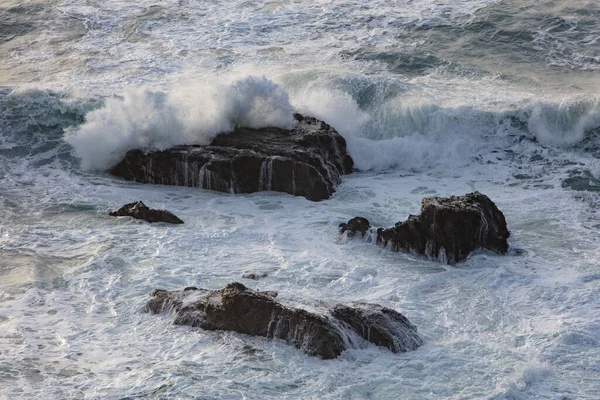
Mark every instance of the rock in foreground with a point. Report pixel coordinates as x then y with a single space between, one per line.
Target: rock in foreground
237 308
305 161
141 211
448 229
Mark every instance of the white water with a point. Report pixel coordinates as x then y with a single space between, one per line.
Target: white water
145 118
94 79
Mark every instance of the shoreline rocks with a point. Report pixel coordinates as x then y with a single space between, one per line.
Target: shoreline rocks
307 160
237 308
139 210
448 229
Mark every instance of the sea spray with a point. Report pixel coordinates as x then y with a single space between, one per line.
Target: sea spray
155 119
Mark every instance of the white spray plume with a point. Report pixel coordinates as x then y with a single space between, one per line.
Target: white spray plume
154 119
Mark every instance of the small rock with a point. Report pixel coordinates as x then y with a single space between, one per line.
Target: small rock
254 275
140 211
356 225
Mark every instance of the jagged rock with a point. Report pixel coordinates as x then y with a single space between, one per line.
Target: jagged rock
380 325
305 161
140 211
448 229
356 225
237 308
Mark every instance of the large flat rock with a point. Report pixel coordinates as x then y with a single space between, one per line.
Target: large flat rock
307 160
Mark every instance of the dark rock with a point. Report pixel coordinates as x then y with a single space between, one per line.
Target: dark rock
254 275
140 211
449 229
237 308
380 325
356 225
305 161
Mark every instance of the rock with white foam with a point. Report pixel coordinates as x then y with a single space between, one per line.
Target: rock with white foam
307 161
448 229
237 308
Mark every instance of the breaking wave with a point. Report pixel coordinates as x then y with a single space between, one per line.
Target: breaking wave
149 118
393 128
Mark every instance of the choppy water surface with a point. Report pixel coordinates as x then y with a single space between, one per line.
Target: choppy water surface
433 98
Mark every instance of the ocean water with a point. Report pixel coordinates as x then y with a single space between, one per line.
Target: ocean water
433 97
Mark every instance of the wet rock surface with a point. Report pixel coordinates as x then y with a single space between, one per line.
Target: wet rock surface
448 229
307 160
139 210
356 225
237 308
380 325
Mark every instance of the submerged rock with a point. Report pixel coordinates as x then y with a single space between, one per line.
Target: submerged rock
356 225
307 160
448 229
254 275
140 211
237 308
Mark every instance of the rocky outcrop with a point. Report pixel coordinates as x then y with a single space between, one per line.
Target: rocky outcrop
140 211
305 161
237 308
448 229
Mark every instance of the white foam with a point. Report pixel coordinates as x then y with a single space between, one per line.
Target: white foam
145 118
